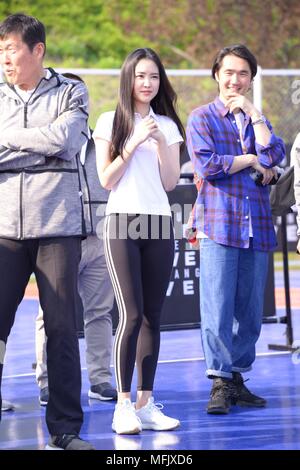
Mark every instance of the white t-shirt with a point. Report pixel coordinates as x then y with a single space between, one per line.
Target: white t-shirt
140 190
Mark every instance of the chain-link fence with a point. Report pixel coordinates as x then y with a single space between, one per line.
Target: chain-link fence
281 103
275 92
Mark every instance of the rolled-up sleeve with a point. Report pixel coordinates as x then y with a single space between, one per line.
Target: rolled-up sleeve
208 164
273 153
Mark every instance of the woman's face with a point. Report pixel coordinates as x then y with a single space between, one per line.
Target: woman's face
146 81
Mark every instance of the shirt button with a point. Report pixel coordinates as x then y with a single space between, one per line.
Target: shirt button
247 217
247 197
238 140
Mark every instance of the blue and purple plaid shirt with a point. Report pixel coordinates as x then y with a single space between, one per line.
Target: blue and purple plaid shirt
225 201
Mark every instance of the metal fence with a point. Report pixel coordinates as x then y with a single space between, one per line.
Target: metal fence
276 92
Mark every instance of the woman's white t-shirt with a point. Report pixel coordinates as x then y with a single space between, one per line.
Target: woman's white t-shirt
140 190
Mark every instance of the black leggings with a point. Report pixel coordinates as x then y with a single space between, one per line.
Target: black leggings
139 251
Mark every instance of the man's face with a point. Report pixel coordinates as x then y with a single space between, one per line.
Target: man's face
20 64
233 77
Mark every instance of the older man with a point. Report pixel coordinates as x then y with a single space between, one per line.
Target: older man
43 125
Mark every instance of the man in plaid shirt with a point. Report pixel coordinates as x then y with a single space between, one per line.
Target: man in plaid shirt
229 142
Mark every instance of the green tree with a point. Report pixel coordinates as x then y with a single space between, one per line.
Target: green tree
187 33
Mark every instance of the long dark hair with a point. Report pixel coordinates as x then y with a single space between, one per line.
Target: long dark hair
163 103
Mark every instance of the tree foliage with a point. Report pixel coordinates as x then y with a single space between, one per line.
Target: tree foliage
187 33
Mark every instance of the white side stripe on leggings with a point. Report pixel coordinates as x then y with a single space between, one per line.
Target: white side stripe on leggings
119 299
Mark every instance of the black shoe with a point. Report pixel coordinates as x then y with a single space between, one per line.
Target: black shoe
68 442
241 396
44 396
7 406
103 392
219 403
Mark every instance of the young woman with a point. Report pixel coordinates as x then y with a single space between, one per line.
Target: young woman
137 150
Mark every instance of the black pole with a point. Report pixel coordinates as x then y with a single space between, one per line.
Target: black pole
289 327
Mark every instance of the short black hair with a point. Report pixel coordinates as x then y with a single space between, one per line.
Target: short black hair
31 29
238 50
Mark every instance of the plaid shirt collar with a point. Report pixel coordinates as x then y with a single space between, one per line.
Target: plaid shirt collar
223 111
220 106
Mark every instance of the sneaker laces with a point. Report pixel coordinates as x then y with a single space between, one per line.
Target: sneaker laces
244 390
238 379
126 406
220 389
238 387
156 407
241 384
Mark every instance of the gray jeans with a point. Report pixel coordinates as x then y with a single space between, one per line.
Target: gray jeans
97 297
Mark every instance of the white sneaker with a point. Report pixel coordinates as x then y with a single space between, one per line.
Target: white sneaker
125 420
153 418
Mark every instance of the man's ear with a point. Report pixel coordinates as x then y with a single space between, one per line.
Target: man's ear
39 50
216 77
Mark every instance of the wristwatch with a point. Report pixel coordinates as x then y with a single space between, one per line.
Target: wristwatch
260 120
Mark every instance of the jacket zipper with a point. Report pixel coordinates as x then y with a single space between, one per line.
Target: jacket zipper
21 204
83 224
89 198
22 180
25 114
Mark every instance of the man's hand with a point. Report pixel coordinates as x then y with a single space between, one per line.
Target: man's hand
268 173
236 102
